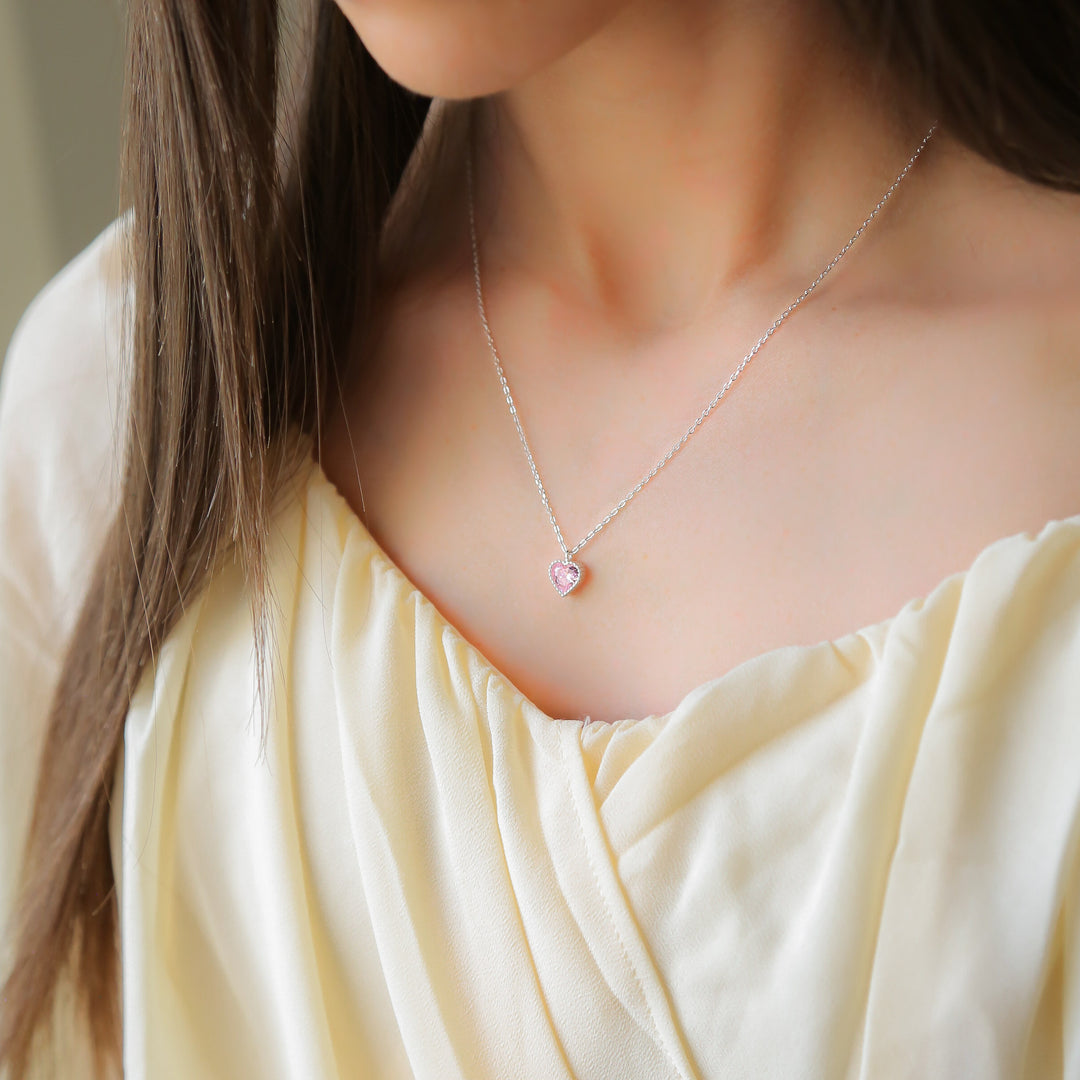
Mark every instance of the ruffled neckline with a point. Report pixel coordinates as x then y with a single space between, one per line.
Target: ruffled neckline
354 529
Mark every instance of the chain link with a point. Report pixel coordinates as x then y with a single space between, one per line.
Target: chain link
569 552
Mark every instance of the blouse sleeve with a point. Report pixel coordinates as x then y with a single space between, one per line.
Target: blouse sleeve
59 414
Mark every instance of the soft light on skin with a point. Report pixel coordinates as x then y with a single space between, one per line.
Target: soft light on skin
650 154
469 48
663 177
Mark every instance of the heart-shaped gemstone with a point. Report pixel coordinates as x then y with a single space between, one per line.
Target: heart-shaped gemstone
564 576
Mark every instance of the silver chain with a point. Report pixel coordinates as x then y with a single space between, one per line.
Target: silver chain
569 552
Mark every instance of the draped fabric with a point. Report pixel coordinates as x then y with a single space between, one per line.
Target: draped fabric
857 858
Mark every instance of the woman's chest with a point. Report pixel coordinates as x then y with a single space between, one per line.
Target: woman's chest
835 483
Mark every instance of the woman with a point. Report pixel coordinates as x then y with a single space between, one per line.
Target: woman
556 606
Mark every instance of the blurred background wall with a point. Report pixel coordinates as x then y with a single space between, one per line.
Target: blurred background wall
61 73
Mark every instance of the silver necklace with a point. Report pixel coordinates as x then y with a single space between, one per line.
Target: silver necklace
566 574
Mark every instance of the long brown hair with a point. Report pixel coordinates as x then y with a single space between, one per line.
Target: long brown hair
253 249
251 245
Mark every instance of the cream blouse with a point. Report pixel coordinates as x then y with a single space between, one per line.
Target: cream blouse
857 858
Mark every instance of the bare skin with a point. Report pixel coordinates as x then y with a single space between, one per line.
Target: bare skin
646 214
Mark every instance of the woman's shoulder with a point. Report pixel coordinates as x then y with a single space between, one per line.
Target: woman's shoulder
61 409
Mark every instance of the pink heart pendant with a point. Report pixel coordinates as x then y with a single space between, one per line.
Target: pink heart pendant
564 576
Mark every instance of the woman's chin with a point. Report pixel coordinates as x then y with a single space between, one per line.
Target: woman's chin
470 48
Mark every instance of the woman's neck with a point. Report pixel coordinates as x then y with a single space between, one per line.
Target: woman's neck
682 149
